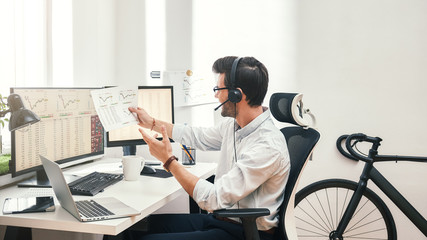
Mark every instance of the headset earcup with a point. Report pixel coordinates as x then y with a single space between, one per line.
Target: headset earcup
234 95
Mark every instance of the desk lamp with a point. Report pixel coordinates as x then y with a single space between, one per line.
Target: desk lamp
20 116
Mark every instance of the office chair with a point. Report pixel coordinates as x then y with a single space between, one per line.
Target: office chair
301 140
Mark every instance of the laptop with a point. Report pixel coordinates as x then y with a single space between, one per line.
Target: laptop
86 210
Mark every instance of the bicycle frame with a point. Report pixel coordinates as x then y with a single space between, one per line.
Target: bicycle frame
370 172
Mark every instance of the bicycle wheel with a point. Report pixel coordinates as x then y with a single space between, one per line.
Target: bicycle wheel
320 206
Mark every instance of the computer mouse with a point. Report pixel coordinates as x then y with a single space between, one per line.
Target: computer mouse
148 170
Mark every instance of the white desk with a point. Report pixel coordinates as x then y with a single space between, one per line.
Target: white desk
148 194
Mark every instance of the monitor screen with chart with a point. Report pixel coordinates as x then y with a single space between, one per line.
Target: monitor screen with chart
158 102
69 131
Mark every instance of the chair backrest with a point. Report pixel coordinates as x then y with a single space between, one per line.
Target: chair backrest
301 140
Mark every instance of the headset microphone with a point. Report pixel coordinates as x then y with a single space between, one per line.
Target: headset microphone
221 104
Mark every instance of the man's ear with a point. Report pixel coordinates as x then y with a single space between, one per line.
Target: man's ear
243 94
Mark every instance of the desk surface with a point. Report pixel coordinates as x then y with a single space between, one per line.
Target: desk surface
147 195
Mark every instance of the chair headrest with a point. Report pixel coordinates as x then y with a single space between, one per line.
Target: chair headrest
288 107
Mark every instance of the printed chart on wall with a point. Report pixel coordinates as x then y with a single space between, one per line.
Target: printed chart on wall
190 89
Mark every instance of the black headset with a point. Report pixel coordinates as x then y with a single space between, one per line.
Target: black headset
234 94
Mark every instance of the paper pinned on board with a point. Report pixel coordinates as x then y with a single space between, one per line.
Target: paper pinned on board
112 105
189 88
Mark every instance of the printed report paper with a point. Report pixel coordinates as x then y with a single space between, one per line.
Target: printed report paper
112 105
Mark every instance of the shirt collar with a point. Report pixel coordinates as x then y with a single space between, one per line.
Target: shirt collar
253 125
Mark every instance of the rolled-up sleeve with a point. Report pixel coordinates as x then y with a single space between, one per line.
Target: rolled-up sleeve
202 192
205 139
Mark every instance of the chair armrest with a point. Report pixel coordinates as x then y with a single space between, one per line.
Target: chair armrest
242 213
248 217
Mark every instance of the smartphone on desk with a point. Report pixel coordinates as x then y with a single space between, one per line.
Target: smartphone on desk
28 205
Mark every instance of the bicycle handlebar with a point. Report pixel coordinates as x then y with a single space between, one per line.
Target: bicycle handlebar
351 153
342 150
352 140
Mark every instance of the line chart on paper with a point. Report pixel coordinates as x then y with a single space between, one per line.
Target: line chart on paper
112 105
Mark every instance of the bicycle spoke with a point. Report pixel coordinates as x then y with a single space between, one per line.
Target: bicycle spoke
318 214
316 233
309 215
311 224
323 209
349 228
336 205
344 204
366 238
358 235
366 224
362 206
363 218
330 211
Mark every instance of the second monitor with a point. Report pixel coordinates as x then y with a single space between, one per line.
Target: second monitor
158 102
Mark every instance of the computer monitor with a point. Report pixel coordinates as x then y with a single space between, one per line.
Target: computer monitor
158 102
69 132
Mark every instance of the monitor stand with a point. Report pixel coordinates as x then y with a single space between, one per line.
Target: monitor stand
129 150
42 181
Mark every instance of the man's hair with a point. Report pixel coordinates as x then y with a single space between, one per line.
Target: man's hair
251 77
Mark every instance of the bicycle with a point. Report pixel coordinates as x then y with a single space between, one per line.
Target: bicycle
339 209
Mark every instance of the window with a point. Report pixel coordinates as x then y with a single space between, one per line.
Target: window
34 34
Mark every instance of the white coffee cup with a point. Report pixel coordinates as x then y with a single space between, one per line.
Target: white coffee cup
132 167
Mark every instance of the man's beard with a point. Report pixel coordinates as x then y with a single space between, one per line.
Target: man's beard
229 110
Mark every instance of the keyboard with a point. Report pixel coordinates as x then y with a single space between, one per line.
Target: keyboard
90 208
93 183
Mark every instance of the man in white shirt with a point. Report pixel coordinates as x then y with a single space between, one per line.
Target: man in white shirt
253 167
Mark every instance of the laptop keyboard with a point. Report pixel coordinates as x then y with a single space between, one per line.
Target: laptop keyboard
93 183
90 208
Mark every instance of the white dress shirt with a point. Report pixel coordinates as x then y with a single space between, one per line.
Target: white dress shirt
256 179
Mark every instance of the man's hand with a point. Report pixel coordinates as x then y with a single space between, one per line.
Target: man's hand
144 119
161 150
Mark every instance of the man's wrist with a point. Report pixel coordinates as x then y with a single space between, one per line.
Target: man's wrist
168 162
153 124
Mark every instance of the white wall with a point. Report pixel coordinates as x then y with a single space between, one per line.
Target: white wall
360 64
263 29
130 42
94 37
